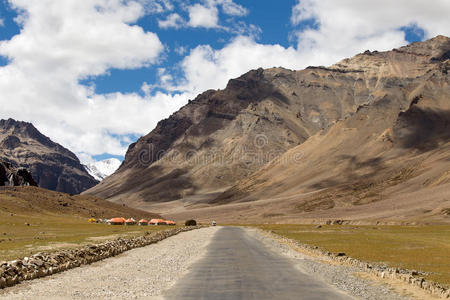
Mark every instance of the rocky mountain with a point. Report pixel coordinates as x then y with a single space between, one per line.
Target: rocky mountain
103 168
10 176
51 165
316 139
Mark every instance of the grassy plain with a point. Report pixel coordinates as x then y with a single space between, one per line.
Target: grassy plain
36 220
423 248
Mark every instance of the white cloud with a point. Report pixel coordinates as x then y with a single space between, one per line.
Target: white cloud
2 22
203 16
157 6
233 9
346 27
67 40
181 50
172 21
206 68
64 41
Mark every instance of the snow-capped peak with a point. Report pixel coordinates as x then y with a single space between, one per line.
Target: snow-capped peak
103 168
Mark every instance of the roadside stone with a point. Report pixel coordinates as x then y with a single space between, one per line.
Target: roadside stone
45 264
2 282
408 276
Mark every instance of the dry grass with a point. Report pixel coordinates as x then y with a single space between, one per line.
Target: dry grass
57 220
51 232
423 248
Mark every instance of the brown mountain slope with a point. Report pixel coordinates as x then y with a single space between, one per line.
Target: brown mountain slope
51 165
40 202
359 125
383 156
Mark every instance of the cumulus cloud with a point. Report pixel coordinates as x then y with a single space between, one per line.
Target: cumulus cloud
207 68
172 21
339 29
62 42
203 16
345 27
233 9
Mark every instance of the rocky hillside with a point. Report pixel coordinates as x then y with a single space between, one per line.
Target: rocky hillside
363 122
51 165
10 176
402 132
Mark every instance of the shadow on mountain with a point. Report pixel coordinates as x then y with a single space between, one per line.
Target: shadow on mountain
422 129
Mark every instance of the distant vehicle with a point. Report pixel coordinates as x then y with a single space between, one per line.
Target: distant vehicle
213 223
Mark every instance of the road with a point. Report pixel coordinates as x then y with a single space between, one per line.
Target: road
238 266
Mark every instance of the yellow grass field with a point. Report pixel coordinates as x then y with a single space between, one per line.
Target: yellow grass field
36 220
423 248
52 232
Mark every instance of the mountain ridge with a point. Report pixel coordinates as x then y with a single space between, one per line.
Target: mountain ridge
275 111
51 165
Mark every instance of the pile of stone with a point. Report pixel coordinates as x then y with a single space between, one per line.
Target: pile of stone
412 277
45 264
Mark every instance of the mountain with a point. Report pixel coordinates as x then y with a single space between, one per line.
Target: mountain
101 169
10 176
278 143
51 165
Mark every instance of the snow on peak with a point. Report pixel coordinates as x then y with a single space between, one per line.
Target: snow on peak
103 168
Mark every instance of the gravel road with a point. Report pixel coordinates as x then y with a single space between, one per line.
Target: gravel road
246 261
135 274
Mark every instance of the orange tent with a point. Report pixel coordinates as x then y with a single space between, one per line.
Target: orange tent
168 222
130 221
157 222
116 221
143 222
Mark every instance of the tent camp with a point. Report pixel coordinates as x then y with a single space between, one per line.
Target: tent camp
116 221
143 222
130 221
169 222
92 220
157 222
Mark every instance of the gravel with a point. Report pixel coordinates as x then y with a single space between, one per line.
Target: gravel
340 276
135 274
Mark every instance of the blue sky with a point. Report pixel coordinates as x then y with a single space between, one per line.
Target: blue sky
95 76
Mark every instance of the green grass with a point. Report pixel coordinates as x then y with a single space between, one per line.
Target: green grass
423 248
49 232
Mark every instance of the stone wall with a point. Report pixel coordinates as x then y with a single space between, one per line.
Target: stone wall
45 264
411 277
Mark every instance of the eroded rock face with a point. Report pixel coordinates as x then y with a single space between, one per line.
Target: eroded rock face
223 137
10 176
51 165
